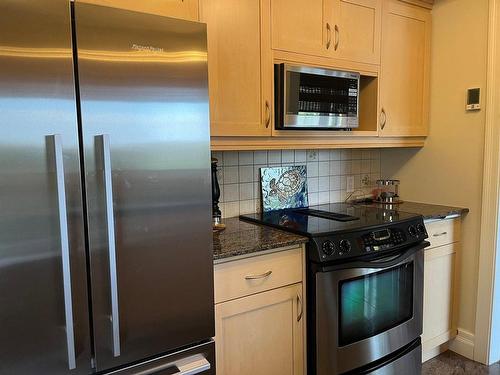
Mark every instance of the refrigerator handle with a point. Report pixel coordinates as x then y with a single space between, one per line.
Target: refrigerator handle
110 221
65 256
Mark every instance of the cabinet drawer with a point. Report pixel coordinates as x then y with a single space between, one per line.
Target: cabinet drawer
257 274
443 232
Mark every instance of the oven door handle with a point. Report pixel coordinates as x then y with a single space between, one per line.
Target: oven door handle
392 260
384 262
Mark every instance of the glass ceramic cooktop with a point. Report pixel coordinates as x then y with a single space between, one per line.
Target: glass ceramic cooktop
328 218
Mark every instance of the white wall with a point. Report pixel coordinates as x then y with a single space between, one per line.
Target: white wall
448 169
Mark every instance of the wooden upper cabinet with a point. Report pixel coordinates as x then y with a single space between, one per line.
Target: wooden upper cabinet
300 26
405 60
356 30
346 29
184 9
240 67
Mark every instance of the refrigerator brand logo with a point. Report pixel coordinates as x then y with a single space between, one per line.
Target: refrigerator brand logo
138 47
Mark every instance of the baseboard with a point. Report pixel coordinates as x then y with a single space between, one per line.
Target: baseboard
434 352
463 344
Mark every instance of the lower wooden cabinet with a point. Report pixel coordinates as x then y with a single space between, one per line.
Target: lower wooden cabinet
439 286
261 334
260 314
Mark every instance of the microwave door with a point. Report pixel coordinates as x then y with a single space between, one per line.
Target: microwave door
312 98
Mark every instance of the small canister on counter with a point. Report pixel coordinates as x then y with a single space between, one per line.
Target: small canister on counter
388 191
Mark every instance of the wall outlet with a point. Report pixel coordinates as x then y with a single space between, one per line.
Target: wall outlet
350 184
365 181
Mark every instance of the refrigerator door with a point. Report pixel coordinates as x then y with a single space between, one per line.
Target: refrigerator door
43 285
145 124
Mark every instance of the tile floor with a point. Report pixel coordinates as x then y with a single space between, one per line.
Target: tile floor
450 363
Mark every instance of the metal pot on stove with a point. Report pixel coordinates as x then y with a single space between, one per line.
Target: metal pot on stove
388 191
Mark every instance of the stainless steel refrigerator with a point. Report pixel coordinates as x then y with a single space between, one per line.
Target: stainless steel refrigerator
105 210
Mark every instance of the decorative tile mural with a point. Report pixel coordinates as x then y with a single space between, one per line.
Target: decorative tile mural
327 173
283 187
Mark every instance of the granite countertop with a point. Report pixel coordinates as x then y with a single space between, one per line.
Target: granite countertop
428 211
245 239
241 238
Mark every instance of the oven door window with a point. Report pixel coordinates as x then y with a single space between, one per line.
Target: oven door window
374 303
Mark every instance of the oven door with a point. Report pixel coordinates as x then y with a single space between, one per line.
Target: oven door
366 310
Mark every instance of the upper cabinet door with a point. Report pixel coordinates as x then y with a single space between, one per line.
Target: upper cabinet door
404 84
184 9
301 26
240 67
356 30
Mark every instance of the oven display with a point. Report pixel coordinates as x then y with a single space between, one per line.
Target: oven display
383 240
381 235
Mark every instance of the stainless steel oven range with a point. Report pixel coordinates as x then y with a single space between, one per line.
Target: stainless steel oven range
364 287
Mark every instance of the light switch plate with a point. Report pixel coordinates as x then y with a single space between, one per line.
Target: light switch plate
350 184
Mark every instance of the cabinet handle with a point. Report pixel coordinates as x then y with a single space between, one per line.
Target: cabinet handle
328 35
337 38
261 276
299 304
440 234
268 114
383 119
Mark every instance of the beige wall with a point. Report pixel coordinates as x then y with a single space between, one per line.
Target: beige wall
448 170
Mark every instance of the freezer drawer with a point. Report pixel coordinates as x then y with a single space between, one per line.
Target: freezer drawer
196 360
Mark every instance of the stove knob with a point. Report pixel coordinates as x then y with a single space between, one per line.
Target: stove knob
420 229
345 246
412 230
328 248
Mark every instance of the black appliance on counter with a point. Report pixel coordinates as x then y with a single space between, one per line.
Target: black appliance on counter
365 279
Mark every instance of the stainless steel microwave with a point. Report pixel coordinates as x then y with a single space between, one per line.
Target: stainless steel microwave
315 98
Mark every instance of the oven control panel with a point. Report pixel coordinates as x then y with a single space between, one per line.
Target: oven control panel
362 242
383 239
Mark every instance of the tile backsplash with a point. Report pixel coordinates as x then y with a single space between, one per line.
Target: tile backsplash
327 173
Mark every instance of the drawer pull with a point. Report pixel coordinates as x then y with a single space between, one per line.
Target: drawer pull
261 276
440 234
